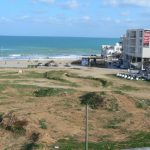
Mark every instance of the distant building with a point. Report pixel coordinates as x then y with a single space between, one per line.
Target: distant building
136 48
110 50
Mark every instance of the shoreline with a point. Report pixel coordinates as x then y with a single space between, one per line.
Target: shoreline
56 61
24 63
43 57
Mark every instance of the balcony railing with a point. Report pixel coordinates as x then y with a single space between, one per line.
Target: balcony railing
132 36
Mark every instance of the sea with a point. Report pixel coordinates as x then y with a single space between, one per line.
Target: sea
40 47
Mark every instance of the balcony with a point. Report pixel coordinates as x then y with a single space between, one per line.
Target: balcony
132 36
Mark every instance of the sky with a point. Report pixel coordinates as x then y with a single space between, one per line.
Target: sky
75 18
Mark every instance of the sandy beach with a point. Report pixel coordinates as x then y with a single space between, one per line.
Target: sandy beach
25 63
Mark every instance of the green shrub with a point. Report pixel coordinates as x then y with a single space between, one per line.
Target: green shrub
58 76
32 143
43 92
103 82
55 75
42 124
99 99
143 104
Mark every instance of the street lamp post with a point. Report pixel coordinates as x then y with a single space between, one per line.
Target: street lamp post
86 128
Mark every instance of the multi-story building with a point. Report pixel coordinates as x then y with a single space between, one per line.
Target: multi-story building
136 48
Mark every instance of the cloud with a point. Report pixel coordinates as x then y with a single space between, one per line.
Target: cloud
43 1
24 17
141 3
72 4
125 13
86 18
5 19
39 11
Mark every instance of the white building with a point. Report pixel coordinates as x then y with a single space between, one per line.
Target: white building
109 50
136 48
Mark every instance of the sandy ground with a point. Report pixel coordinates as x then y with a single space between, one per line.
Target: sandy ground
24 63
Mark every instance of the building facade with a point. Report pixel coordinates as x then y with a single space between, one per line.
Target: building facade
110 50
136 48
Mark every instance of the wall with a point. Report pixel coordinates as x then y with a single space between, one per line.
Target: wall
146 52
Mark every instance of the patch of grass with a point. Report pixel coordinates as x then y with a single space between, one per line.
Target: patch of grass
8 75
135 140
32 146
127 88
147 114
67 104
76 68
55 75
112 104
114 123
144 104
58 76
43 92
42 124
15 75
105 83
33 74
118 92
22 86
104 137
2 86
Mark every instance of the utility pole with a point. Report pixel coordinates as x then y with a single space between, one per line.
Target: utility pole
86 127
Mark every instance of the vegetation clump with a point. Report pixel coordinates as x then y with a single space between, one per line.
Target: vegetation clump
99 99
118 92
55 75
42 124
128 88
144 104
32 143
33 74
58 76
11 123
105 83
114 123
43 92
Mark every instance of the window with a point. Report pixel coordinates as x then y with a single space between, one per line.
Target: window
141 33
141 42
